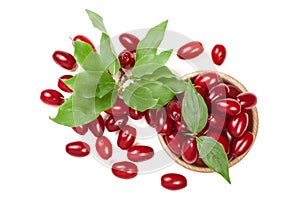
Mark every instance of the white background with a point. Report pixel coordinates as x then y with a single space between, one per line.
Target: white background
262 40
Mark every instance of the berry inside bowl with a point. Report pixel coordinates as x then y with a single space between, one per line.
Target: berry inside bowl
235 130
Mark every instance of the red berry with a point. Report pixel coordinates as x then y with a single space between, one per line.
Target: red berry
62 85
216 122
181 126
155 117
190 50
189 151
129 41
124 170
237 125
81 130
97 126
174 142
174 110
207 80
219 91
247 100
78 149
119 108
65 60
229 106
173 181
126 137
135 114
126 59
115 123
218 54
233 91
242 144
200 162
82 38
104 147
52 97
164 126
140 153
201 90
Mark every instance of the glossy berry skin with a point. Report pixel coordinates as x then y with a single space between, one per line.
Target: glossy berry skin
247 100
135 114
174 141
119 108
189 151
139 153
62 85
201 91
104 147
207 80
97 126
242 144
237 125
173 181
129 41
115 123
65 60
181 126
124 170
78 149
219 91
81 130
52 97
233 91
155 116
218 54
174 110
200 162
216 122
221 139
82 38
190 50
164 126
229 106
126 59
126 137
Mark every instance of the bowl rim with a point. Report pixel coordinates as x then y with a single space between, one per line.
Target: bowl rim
255 122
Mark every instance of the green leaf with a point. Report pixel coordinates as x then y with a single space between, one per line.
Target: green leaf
159 91
150 63
92 63
70 82
175 84
77 111
107 55
213 155
149 45
97 20
161 72
139 97
105 85
81 51
194 109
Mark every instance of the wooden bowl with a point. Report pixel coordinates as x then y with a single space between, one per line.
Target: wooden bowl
253 126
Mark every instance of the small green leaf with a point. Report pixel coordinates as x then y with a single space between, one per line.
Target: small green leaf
92 63
107 55
159 91
97 20
149 45
150 63
194 109
213 155
175 84
161 72
70 82
77 111
105 85
139 97
81 51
